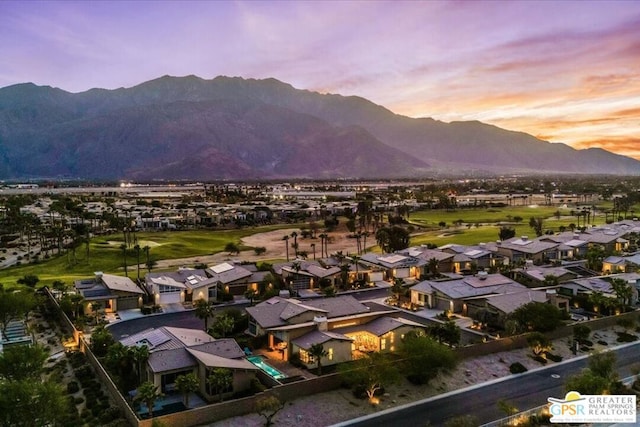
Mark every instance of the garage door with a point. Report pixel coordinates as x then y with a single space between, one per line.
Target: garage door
127 303
170 298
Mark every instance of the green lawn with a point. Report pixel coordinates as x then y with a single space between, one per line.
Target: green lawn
487 232
491 215
105 254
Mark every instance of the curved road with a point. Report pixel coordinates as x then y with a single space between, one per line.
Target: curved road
527 390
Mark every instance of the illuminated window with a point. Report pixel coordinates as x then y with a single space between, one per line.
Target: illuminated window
383 344
305 357
330 354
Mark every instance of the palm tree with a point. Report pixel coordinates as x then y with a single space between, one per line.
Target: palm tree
250 294
95 308
140 355
317 351
622 289
295 242
344 274
146 252
76 300
60 286
313 246
223 324
432 267
124 254
187 384
220 380
137 249
286 245
148 393
355 260
204 310
323 244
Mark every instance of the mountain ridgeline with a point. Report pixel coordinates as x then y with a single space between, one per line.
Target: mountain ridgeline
232 128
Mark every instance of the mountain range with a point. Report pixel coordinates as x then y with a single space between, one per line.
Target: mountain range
232 128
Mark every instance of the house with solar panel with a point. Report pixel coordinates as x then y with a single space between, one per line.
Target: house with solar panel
472 258
302 274
179 351
175 286
467 295
110 292
518 250
227 278
386 267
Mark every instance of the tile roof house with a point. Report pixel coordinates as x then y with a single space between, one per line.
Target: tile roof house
386 267
228 278
112 292
179 351
520 249
496 308
302 274
452 294
482 256
536 276
444 259
346 343
293 326
602 285
570 245
620 264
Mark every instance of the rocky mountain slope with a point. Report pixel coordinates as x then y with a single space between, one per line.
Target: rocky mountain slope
234 128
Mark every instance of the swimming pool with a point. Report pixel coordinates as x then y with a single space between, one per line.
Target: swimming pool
270 370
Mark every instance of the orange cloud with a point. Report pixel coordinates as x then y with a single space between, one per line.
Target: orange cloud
621 145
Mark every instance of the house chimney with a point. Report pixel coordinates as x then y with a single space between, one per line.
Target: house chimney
321 323
482 275
98 275
524 238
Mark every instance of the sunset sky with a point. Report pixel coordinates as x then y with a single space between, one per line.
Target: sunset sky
560 70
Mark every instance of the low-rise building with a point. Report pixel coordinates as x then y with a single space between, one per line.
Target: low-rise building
109 292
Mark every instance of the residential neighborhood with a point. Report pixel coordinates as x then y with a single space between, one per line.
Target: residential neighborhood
245 327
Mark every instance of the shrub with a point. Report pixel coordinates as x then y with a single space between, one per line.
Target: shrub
540 359
109 414
73 387
84 372
256 386
120 422
554 358
626 337
78 400
517 368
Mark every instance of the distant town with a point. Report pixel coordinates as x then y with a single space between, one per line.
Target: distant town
141 303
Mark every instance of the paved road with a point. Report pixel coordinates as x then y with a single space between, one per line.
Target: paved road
525 391
178 319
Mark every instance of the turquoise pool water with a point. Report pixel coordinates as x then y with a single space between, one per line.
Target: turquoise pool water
273 372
